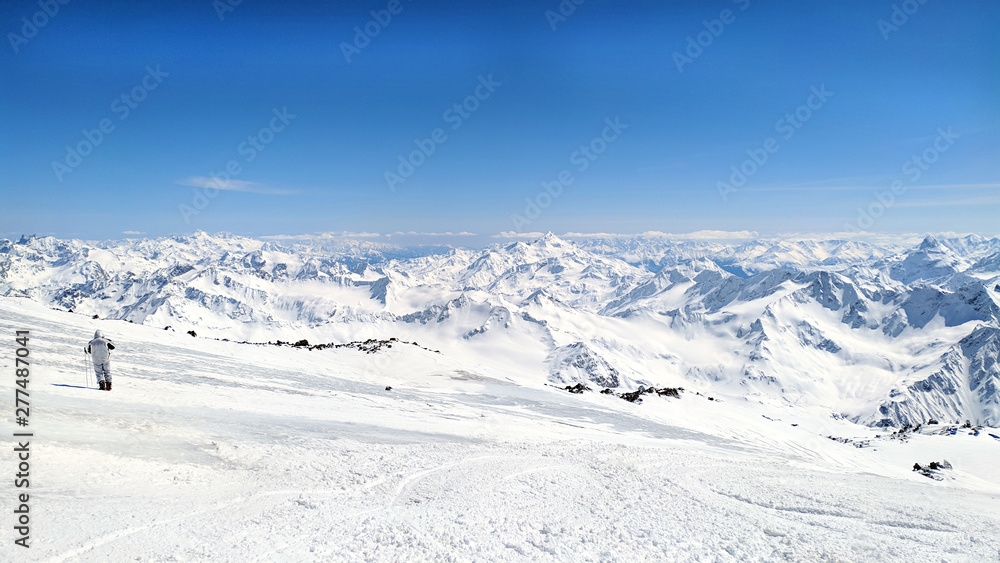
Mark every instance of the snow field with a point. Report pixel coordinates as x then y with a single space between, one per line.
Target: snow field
214 450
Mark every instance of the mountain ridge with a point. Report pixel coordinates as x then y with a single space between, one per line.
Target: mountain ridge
885 335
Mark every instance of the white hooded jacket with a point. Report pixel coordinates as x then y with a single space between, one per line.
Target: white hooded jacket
100 347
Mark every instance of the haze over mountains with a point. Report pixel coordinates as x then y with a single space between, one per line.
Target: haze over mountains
885 334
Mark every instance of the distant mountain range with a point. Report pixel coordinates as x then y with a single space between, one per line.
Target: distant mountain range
886 334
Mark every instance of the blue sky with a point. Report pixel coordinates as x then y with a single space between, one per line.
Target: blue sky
267 89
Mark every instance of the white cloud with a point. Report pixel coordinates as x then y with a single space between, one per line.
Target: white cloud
324 236
512 234
696 235
133 232
232 186
981 200
812 187
445 234
596 235
716 235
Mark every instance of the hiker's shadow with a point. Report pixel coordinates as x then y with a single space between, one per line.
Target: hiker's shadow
70 386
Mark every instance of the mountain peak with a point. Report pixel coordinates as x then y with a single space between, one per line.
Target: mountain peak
549 239
931 243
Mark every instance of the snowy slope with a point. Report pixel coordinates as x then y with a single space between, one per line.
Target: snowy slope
213 450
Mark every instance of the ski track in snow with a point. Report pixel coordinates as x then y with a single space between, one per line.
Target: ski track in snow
217 451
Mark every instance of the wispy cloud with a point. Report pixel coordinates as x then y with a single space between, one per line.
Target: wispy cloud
418 234
981 200
956 187
324 236
365 235
813 187
696 235
232 186
826 183
133 232
513 234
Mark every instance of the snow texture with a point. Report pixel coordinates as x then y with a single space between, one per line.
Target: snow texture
215 450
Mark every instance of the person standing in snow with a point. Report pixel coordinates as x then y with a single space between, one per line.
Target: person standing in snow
100 350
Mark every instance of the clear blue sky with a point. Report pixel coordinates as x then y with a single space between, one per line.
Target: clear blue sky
892 91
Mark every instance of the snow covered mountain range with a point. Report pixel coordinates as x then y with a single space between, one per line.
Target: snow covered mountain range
884 334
